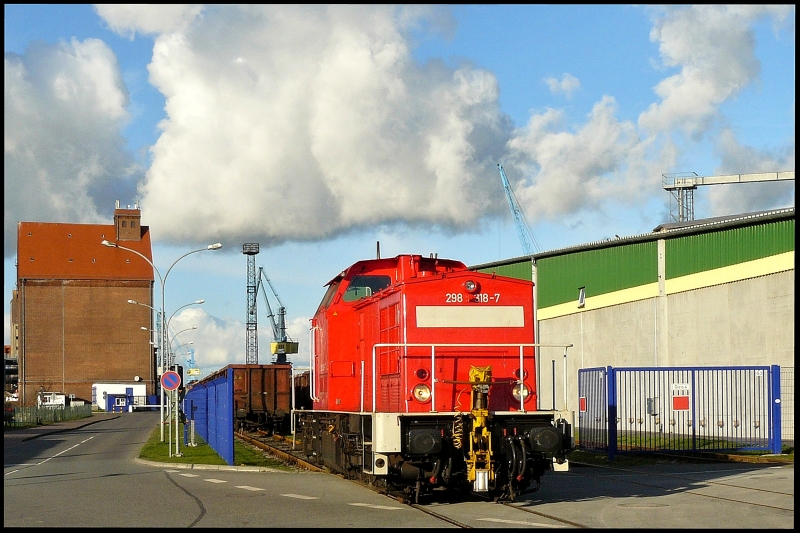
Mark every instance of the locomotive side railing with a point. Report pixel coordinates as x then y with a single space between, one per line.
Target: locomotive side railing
434 346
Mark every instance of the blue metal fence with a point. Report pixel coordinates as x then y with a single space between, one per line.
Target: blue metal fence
210 406
679 409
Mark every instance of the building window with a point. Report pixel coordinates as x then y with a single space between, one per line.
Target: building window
582 297
124 223
133 223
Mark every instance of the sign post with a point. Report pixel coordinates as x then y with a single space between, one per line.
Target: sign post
170 381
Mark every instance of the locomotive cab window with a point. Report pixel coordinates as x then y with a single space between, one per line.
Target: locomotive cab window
326 300
363 286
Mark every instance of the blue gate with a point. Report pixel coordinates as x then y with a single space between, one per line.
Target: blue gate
210 405
679 409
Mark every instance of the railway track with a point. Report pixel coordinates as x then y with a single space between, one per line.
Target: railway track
287 451
282 449
279 447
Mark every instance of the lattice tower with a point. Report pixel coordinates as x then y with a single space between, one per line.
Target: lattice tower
251 345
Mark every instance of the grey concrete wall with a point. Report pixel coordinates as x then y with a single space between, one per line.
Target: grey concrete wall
749 322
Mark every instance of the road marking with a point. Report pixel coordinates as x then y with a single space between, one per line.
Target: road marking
53 456
189 475
520 522
245 487
300 496
384 507
215 480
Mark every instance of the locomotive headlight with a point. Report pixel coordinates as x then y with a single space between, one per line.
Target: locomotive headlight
521 391
471 286
421 393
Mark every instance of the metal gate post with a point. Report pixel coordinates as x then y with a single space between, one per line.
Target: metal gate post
693 415
612 413
776 436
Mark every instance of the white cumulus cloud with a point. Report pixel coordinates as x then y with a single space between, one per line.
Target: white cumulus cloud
567 84
64 107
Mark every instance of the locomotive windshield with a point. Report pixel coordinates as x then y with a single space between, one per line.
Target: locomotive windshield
326 300
363 286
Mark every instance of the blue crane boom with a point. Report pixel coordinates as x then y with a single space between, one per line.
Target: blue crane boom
526 236
282 344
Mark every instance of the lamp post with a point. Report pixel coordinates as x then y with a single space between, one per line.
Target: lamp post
163 280
148 329
171 358
169 321
176 350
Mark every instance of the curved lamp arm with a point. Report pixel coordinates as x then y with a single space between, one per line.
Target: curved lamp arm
215 246
198 302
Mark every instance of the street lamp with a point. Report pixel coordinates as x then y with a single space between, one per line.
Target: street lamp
163 280
169 321
144 328
178 349
171 359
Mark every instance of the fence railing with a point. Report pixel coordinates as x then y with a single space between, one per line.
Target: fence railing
787 405
680 409
37 416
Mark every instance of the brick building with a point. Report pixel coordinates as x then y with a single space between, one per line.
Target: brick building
72 323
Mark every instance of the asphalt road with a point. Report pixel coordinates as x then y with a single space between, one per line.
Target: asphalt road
89 477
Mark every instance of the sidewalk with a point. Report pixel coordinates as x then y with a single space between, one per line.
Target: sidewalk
17 435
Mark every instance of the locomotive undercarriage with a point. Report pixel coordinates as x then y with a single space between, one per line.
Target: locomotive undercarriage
435 453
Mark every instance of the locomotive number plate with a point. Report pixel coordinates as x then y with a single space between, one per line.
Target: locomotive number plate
482 298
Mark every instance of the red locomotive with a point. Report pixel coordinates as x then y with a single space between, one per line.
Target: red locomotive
423 376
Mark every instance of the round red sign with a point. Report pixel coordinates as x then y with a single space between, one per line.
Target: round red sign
170 380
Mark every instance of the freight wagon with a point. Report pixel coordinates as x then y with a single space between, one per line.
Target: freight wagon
262 395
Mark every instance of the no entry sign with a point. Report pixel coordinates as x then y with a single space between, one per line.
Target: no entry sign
170 380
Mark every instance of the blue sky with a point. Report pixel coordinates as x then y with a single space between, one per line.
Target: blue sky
317 131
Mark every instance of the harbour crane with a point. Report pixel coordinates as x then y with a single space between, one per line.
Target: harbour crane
282 345
526 236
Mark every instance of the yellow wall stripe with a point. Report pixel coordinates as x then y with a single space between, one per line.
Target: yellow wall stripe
728 274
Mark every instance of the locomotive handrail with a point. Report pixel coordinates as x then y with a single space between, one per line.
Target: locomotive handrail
433 347
296 372
312 389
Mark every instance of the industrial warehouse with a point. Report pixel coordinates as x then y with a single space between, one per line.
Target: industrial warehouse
71 323
714 292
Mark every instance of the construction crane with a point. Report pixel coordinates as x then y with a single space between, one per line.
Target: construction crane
683 184
192 369
282 345
526 236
